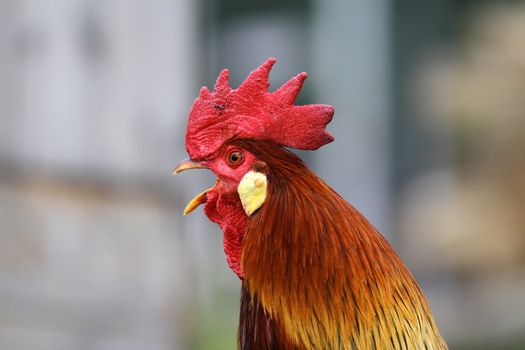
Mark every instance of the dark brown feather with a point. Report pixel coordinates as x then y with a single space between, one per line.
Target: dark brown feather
318 275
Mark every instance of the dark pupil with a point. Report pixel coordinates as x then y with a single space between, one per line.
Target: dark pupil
235 157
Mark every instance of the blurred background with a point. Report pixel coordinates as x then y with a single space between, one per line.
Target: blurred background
94 96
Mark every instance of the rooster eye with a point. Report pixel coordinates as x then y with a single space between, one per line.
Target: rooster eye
235 158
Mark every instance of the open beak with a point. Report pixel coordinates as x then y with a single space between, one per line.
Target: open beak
201 197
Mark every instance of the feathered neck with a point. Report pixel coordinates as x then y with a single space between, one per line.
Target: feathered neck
321 272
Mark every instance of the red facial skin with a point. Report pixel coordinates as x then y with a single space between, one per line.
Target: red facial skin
223 205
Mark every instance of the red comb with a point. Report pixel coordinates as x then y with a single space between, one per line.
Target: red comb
251 111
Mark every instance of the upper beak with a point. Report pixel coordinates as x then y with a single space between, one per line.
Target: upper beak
187 164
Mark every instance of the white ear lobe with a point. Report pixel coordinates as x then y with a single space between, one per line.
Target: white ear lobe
252 191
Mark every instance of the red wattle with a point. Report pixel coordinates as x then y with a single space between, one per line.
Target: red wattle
226 210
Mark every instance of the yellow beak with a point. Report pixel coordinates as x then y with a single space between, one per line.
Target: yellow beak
187 164
195 202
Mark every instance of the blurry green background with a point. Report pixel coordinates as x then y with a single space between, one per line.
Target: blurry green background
429 144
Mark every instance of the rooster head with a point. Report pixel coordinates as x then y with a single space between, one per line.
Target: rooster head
219 118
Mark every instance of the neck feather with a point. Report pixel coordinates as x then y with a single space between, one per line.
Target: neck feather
322 272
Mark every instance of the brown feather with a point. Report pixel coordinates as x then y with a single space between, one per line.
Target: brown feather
318 274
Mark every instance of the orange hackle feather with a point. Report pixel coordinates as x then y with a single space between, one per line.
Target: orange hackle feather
318 274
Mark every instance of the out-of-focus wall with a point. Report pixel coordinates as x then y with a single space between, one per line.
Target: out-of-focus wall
460 218
94 96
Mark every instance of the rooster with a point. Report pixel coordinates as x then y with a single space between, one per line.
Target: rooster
315 273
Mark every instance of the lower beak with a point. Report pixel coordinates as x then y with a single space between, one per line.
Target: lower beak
201 197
